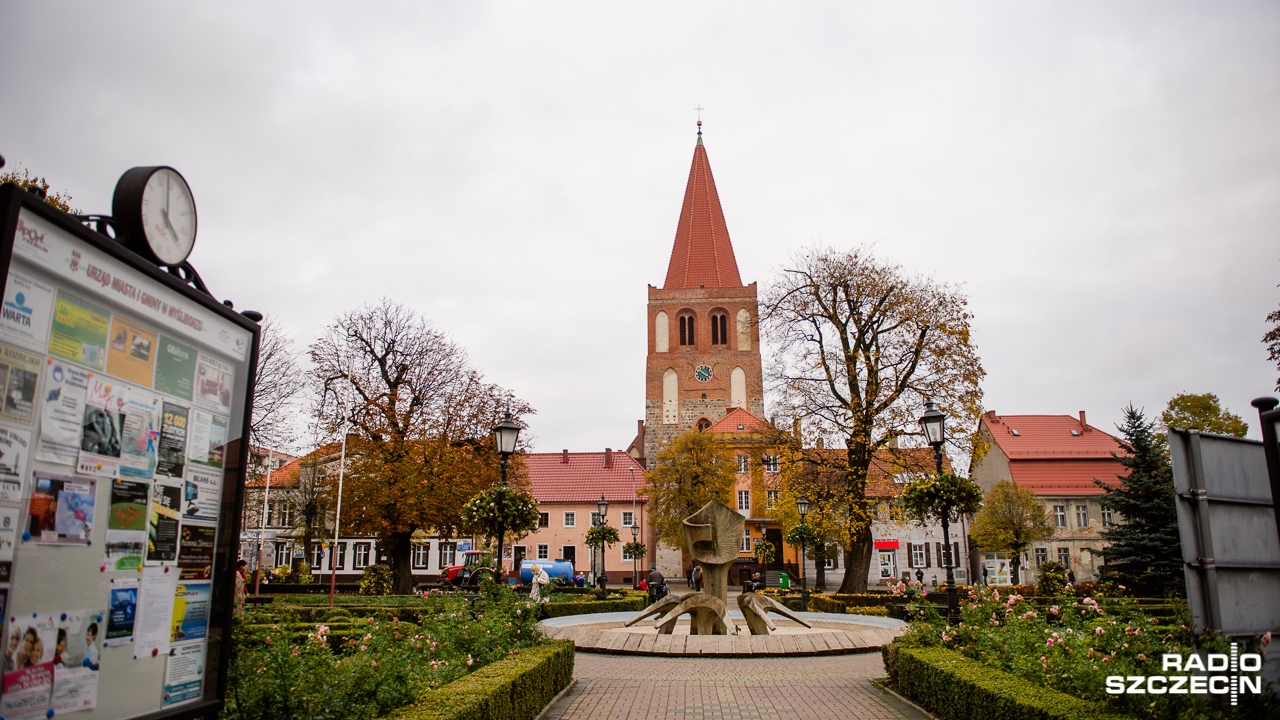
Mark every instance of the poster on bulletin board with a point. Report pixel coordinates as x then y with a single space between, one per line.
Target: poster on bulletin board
124 404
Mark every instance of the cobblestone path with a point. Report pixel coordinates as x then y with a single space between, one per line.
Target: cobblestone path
621 687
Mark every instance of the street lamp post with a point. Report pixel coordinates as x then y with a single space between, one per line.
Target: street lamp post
635 561
601 520
802 507
933 425
505 435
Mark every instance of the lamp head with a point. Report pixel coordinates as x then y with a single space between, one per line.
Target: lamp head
505 435
802 506
933 425
603 507
635 530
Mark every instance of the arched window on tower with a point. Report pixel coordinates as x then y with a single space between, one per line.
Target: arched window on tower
719 328
738 388
661 333
670 397
703 425
744 329
686 330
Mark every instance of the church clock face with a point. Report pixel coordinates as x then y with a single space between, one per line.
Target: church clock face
702 373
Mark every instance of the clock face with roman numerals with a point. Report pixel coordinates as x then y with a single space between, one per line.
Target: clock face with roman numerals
702 373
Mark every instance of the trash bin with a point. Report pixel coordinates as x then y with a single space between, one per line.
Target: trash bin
783 582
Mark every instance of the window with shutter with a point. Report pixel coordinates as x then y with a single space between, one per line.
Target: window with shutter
927 560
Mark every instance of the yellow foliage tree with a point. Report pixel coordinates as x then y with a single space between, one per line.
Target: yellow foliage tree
690 471
1010 520
862 345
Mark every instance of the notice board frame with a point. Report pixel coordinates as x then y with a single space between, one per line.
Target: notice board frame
13 201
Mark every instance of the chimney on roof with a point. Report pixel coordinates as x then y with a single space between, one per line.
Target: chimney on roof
1083 425
608 457
990 415
564 456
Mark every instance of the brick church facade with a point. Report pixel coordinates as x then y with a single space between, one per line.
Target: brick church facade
703 326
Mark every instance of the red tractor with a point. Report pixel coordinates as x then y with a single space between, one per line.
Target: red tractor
476 566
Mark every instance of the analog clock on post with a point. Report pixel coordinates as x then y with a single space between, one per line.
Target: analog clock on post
157 209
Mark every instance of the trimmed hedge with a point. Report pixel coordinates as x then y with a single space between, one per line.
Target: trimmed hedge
958 688
864 599
315 588
631 604
517 688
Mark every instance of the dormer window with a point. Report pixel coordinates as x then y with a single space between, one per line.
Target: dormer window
719 328
686 330
1015 432
1075 433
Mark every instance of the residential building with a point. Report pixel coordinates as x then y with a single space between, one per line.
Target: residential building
568 487
1059 457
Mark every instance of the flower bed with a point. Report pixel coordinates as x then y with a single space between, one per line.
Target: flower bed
366 667
1071 646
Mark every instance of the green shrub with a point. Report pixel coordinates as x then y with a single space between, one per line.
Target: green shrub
958 688
876 611
376 580
1053 578
863 599
514 689
631 604
825 604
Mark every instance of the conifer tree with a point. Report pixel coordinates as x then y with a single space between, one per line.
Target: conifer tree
1143 551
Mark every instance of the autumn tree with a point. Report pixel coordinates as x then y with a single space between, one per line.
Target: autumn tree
278 382
1011 519
1272 340
862 345
419 420
689 472
309 501
1204 413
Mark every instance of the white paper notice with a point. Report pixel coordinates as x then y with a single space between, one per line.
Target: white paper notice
183 674
15 450
154 621
24 317
61 413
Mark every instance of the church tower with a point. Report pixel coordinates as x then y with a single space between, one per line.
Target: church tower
704 341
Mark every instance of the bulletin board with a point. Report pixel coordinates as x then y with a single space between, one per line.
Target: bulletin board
121 476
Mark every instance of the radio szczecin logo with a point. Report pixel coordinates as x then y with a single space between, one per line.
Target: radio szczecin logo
1232 684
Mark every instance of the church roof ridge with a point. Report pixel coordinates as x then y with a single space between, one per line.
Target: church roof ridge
702 255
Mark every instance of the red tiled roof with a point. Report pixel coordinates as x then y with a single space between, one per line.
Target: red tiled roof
1065 477
1048 437
583 478
702 254
281 476
739 420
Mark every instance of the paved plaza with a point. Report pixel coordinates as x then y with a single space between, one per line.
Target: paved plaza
629 687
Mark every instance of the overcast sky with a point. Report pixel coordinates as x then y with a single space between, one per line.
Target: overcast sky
1103 179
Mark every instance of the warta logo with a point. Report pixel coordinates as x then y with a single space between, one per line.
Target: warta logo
1232 683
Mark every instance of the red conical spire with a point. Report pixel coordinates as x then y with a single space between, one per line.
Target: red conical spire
702 254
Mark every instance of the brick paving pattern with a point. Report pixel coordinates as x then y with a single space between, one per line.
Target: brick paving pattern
618 687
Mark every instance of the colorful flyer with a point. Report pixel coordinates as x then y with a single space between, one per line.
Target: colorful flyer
175 368
15 451
126 525
171 455
195 552
207 436
103 427
141 434
19 376
79 331
162 524
62 413
25 314
190 612
9 524
154 621
75 665
202 494
120 614
60 511
183 675
213 383
132 352
28 664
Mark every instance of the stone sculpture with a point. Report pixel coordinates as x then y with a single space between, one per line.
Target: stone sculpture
754 607
713 536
